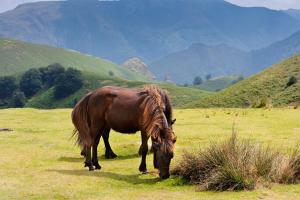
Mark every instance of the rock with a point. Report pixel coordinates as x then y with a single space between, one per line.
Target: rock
138 66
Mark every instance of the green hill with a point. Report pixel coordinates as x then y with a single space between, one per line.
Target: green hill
219 83
267 87
17 56
180 96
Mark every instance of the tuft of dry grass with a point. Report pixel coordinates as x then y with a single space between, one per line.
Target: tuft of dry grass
238 165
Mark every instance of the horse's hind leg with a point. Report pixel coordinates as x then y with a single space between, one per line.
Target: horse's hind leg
95 151
83 153
88 159
109 154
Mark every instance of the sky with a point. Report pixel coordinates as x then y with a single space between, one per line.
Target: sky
273 4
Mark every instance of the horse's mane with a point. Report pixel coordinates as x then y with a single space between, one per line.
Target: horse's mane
157 115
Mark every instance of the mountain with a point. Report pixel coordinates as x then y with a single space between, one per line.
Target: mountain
138 66
223 60
148 29
295 13
17 57
199 60
276 52
278 85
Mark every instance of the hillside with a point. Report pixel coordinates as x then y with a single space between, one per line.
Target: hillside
267 87
17 56
119 30
180 96
219 83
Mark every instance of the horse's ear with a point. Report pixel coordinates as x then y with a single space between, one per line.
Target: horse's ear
174 139
173 121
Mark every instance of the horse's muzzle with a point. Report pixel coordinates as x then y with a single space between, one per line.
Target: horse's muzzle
165 176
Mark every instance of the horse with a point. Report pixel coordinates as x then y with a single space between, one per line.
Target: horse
124 110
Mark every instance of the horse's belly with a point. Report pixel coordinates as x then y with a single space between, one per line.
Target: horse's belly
126 128
123 122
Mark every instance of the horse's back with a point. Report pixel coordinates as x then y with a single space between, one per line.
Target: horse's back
118 108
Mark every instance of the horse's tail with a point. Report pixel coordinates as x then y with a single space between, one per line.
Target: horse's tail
81 121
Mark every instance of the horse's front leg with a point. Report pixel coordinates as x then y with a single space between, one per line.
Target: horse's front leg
143 152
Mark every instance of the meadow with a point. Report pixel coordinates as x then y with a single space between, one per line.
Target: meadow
39 159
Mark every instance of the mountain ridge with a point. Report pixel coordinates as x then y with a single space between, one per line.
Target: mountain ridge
119 30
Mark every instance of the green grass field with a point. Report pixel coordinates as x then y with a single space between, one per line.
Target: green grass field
38 160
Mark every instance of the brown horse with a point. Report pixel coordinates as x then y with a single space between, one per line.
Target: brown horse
126 111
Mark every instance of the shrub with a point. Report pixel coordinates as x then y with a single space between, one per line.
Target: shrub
68 83
18 100
31 82
7 86
237 165
291 81
111 73
197 80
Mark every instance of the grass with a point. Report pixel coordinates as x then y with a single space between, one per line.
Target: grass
17 57
38 160
267 88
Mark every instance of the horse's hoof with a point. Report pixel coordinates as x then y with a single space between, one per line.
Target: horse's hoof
145 172
110 155
91 168
97 166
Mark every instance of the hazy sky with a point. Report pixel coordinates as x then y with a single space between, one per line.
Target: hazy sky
274 4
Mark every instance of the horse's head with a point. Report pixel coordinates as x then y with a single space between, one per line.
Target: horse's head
163 149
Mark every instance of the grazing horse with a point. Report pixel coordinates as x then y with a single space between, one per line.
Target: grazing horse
124 110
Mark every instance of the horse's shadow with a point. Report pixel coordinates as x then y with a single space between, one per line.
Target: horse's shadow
134 179
80 159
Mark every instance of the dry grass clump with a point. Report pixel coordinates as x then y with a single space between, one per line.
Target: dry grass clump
237 165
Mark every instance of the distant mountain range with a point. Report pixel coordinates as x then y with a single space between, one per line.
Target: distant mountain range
200 59
148 29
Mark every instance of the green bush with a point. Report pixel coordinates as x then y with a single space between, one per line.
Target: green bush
18 100
31 82
8 85
68 83
292 81
50 73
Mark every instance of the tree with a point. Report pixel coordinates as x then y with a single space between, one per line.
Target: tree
208 77
68 83
50 73
18 100
31 82
8 85
197 80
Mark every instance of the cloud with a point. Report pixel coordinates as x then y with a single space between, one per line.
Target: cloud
273 4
